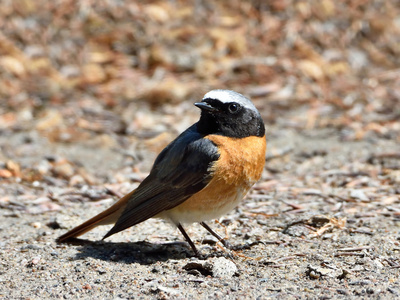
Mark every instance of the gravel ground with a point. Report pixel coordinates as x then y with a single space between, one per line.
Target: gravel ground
322 223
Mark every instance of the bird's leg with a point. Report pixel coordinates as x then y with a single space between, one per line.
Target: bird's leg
196 253
220 239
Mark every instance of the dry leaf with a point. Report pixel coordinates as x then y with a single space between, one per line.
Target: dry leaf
51 119
311 69
93 73
12 65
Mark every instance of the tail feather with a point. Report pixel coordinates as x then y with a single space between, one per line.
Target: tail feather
109 216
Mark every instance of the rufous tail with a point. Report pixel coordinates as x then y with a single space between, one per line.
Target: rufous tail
109 216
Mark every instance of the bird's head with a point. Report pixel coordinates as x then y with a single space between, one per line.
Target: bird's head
230 114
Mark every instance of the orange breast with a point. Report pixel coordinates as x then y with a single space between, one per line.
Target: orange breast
240 165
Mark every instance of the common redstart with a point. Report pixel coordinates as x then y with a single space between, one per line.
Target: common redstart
204 173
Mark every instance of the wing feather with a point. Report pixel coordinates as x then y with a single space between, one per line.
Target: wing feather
182 169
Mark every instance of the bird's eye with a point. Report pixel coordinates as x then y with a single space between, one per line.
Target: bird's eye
233 107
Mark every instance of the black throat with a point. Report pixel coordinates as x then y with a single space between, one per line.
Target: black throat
245 125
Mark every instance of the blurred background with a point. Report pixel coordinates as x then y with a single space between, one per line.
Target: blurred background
91 86
92 61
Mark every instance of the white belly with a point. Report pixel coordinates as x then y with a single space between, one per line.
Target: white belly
183 215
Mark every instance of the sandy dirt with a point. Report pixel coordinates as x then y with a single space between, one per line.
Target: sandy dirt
302 236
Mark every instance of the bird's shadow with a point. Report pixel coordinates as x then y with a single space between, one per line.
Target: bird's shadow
144 253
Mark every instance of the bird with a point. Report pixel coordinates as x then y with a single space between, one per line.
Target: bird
201 175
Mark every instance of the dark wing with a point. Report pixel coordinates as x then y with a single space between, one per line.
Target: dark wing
181 170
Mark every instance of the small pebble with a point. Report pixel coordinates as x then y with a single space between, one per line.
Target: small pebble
36 225
223 268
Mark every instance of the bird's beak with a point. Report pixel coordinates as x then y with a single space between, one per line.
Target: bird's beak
205 106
